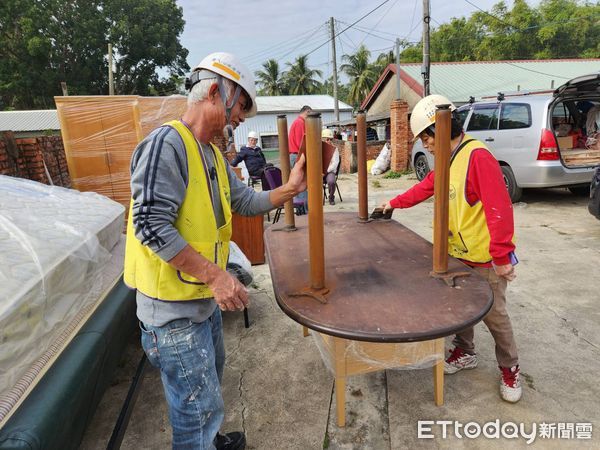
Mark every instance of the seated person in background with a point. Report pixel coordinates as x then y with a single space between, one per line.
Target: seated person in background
252 155
327 136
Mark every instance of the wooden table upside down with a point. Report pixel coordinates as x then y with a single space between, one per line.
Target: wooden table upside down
380 293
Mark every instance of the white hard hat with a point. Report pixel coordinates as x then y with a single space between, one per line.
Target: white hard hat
230 67
423 114
327 133
253 135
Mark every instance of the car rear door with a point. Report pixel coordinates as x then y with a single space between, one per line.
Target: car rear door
483 123
513 143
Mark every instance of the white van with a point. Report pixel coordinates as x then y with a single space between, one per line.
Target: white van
540 140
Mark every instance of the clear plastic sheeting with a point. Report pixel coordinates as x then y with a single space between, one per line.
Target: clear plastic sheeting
101 132
54 244
347 357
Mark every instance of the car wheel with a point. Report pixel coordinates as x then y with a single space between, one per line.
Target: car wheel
421 167
580 191
514 191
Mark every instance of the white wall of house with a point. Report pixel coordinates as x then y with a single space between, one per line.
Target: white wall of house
266 124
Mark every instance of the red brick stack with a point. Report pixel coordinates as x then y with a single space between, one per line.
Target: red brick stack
25 158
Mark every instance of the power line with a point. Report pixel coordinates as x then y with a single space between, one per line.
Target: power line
379 21
293 39
354 23
491 15
302 44
412 20
537 71
370 33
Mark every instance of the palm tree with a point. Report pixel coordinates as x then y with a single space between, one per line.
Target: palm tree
270 79
300 79
383 60
362 74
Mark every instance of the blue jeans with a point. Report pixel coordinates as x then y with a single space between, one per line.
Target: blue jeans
191 357
302 196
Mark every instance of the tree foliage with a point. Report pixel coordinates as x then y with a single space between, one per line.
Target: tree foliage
270 79
46 42
553 29
301 79
361 72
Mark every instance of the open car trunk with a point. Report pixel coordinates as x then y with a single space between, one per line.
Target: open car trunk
575 121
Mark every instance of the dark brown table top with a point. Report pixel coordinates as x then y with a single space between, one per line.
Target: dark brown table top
378 276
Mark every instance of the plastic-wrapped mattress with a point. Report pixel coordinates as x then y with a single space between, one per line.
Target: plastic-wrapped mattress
54 244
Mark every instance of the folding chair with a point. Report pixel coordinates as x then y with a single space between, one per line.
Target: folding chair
272 180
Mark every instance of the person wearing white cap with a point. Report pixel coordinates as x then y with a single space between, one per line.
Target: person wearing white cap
481 234
183 193
330 179
252 156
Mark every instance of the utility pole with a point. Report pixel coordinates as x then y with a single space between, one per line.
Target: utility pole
397 68
111 86
426 62
335 80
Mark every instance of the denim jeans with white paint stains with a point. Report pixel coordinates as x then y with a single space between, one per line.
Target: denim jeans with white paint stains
190 357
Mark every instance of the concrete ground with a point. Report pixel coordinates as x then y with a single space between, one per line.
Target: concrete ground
278 390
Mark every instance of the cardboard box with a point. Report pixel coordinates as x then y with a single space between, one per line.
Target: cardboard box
565 142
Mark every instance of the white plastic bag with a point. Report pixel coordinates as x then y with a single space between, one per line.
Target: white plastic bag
239 265
382 163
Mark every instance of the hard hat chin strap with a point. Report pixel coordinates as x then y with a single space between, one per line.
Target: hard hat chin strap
223 92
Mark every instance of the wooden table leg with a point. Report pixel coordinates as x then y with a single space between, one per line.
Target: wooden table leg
438 376
305 331
340 380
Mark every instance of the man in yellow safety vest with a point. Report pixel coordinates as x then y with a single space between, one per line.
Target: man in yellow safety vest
183 193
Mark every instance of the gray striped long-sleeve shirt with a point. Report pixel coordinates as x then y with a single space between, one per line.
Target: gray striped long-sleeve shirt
159 178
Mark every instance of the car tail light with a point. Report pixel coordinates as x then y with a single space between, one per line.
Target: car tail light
548 147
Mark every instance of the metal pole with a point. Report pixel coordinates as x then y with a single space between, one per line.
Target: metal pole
111 86
426 62
284 161
314 160
361 138
440 188
397 69
336 104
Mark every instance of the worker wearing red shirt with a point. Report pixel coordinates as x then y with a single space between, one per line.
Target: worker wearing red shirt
481 234
297 131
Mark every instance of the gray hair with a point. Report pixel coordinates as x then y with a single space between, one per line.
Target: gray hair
200 90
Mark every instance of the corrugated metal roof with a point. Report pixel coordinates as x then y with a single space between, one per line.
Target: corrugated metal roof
36 120
293 103
458 81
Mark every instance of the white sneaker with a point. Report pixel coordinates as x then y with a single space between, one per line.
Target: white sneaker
510 384
459 360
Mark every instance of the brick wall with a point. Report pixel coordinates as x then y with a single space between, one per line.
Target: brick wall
401 137
25 158
348 155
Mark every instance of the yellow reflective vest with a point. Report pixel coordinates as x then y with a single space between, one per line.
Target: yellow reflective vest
469 237
196 223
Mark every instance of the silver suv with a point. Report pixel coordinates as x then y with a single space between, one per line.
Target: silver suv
540 140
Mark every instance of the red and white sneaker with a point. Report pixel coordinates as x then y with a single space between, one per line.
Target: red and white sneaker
459 360
510 384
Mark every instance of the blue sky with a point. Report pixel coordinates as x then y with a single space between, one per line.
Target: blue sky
257 30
